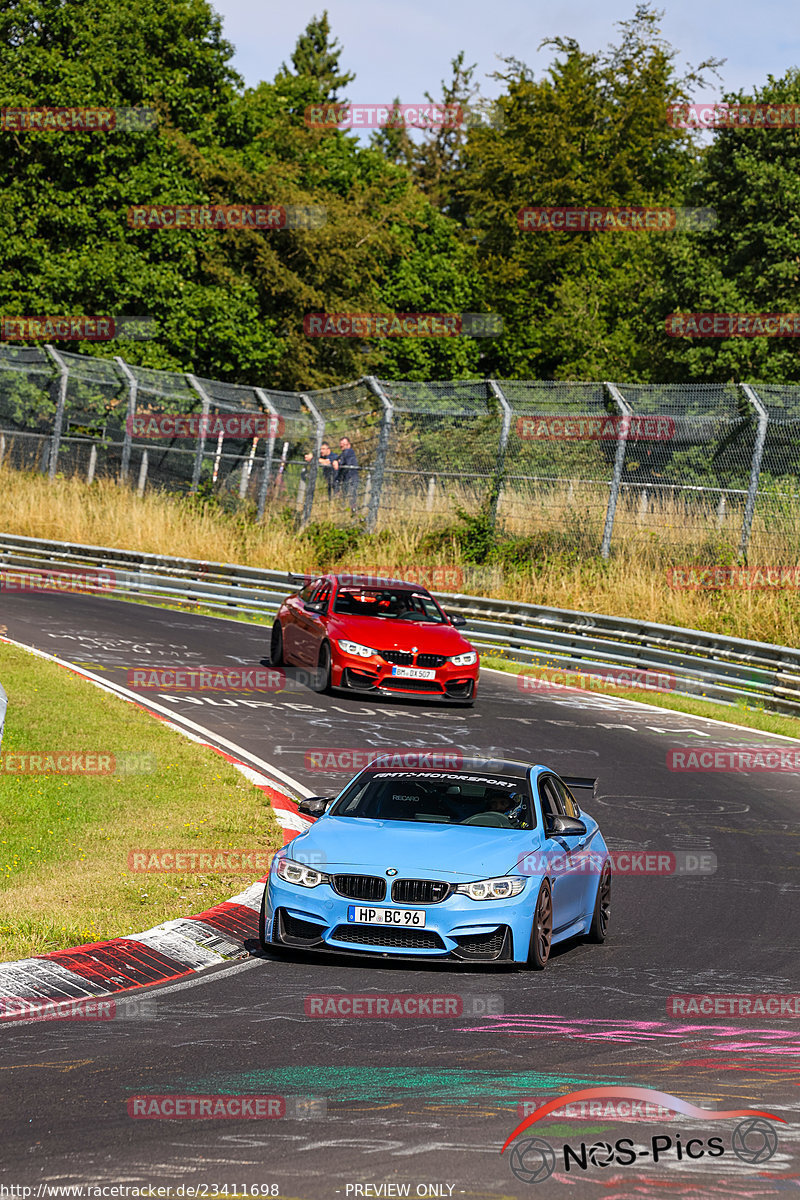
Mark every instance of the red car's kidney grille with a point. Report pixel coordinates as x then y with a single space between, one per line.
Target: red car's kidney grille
400 658
431 660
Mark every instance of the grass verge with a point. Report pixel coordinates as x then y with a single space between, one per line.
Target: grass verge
65 839
738 714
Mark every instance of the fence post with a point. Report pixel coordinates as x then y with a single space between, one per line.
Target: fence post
92 464
142 474
313 467
127 441
201 441
269 407
62 400
619 463
379 468
2 448
500 466
755 468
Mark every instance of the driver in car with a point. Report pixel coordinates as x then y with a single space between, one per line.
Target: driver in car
509 804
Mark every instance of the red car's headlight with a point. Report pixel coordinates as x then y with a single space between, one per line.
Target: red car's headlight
468 659
356 648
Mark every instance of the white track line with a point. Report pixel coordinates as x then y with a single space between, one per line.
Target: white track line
117 689
657 708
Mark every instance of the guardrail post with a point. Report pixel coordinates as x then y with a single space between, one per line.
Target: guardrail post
619 463
127 441
201 441
755 468
269 407
379 467
58 424
313 466
500 468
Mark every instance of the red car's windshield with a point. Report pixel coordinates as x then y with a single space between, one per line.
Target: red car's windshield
395 603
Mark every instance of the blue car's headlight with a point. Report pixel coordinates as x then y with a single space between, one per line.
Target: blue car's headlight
294 872
467 659
356 648
492 889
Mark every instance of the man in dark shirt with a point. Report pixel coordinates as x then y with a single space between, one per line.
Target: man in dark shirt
346 470
328 464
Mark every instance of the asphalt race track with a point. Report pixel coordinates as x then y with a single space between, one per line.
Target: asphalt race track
429 1102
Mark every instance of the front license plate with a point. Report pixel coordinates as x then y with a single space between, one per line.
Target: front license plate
413 673
358 915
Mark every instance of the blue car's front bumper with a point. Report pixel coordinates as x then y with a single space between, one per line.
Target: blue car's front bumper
457 928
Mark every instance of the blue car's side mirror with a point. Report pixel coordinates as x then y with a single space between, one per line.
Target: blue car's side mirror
314 806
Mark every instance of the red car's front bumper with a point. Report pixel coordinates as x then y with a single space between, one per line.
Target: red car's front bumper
375 674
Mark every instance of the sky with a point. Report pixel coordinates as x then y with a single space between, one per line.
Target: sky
404 47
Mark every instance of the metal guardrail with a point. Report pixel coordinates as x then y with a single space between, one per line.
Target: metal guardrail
707 665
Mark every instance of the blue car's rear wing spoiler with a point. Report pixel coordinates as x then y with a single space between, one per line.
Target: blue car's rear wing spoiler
579 781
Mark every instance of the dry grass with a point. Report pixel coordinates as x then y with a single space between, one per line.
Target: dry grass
566 572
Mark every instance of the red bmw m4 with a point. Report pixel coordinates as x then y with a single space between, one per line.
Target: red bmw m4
391 638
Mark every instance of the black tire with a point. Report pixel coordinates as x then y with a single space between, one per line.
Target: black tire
542 929
263 943
276 645
602 909
321 678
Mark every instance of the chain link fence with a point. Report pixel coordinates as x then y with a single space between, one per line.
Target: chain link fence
712 465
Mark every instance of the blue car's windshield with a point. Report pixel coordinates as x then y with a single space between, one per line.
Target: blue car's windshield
438 797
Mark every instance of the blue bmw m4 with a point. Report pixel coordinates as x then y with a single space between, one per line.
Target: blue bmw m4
491 863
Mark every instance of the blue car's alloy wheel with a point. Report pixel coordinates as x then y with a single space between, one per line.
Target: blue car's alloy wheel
602 909
542 931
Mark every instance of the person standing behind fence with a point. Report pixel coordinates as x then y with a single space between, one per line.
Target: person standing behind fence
328 462
346 469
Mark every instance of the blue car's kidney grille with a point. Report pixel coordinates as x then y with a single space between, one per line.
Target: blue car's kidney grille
377 935
420 891
360 887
